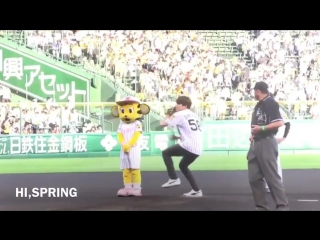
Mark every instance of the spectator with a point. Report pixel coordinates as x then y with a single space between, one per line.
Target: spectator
288 62
159 65
39 118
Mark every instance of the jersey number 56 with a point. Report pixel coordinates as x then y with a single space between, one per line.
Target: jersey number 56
194 125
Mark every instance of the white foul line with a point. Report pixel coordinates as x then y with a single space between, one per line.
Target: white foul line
307 200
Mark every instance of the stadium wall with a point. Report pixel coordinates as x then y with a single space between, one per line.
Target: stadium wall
66 78
26 70
220 137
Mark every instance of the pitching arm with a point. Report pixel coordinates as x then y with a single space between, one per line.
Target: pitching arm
175 133
174 137
170 121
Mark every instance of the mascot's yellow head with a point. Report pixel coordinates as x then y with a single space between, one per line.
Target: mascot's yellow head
129 109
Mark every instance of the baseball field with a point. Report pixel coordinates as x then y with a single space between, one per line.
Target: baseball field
223 179
153 163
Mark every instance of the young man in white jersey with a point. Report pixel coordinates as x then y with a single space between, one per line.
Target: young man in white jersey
189 148
281 136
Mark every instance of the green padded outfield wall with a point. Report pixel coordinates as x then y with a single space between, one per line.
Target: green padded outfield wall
219 136
52 145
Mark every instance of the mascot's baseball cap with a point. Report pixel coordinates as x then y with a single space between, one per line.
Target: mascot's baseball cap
262 86
128 99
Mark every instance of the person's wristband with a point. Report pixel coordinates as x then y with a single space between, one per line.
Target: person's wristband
263 128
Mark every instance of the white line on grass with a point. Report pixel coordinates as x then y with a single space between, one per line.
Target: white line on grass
308 200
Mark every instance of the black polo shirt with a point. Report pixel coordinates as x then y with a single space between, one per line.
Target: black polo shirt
265 112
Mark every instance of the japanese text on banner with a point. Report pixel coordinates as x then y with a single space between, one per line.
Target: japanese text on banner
41 144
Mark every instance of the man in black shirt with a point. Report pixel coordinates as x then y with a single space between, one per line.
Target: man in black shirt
263 152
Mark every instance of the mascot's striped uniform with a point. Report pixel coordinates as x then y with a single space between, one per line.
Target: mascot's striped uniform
130 111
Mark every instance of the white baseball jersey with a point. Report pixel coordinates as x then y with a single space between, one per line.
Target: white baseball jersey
132 159
188 125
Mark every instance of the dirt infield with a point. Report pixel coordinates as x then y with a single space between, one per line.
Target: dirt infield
223 190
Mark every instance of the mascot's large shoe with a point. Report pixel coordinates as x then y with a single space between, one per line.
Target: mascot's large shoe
124 192
135 192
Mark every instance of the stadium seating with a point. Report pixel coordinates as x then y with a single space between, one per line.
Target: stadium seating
223 41
42 118
232 47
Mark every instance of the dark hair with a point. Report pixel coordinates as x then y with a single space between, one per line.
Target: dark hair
184 101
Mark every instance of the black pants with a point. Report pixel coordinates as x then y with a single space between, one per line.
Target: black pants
187 158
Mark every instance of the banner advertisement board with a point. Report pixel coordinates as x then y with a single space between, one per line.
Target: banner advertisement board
33 76
218 136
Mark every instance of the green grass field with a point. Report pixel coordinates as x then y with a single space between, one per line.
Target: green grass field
111 164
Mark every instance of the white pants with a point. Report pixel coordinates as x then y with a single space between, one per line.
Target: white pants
132 159
279 170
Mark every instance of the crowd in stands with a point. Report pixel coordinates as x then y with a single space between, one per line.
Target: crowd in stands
160 65
40 118
289 61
